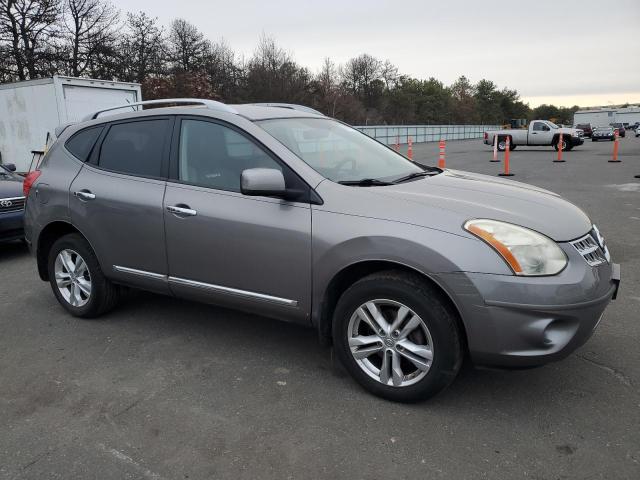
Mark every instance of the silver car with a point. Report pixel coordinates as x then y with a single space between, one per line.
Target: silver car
406 269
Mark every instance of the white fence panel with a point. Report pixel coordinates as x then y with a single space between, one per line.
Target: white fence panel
390 134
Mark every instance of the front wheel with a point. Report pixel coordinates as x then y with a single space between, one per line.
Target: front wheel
396 335
564 144
77 279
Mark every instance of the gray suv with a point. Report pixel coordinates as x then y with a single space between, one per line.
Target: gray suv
404 268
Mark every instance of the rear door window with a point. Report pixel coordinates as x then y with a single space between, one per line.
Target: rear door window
81 143
135 148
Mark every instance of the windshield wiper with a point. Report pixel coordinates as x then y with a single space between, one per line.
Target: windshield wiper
415 175
365 182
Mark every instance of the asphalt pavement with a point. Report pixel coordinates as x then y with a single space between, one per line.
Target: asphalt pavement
166 389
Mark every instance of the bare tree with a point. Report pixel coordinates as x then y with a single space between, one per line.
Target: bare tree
389 73
187 46
272 75
143 48
90 27
26 28
328 90
223 71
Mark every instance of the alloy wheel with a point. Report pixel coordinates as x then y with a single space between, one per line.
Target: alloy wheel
72 278
390 342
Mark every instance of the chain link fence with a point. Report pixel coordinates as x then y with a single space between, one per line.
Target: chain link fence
390 134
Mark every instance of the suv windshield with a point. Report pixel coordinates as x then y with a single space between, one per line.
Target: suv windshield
338 152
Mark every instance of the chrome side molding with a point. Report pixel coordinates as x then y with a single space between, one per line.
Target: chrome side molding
140 273
208 286
234 291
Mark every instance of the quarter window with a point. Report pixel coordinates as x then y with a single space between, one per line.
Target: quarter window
213 155
81 144
134 148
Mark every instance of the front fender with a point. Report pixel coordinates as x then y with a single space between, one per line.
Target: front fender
340 241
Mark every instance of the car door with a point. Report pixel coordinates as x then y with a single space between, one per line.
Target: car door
541 134
246 252
116 201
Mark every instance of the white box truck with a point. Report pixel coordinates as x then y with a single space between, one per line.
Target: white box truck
32 109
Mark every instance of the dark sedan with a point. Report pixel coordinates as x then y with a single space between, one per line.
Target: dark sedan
603 133
11 204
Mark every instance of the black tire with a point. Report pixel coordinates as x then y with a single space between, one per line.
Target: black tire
557 141
512 147
594 139
104 294
428 303
501 148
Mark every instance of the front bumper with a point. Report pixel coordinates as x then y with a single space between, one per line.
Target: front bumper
11 225
513 321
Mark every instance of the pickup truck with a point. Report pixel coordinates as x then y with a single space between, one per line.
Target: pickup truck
540 133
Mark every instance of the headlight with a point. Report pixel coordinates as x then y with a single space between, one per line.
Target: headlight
525 251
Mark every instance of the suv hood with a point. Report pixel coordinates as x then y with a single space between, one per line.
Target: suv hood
447 200
10 186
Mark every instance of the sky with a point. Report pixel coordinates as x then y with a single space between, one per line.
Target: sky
583 53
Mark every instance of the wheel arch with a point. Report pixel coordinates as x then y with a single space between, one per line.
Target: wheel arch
47 237
348 275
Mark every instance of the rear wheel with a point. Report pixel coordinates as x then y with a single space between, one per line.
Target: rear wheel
594 139
77 279
397 337
502 144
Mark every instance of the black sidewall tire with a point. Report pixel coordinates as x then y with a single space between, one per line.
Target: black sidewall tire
103 293
427 302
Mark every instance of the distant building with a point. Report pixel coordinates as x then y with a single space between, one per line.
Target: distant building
598 117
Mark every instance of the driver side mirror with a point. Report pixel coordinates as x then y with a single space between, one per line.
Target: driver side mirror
267 182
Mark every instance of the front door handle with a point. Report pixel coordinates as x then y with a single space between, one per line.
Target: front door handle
84 195
181 211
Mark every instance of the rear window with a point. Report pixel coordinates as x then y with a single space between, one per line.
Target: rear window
81 143
134 148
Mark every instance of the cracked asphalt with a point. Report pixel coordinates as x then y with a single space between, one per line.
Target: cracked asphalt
167 389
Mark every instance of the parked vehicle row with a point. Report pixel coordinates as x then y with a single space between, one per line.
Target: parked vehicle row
539 133
405 268
588 129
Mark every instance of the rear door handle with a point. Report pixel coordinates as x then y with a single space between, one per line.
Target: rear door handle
181 211
84 195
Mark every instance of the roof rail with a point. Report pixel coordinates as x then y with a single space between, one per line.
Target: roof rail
211 104
292 106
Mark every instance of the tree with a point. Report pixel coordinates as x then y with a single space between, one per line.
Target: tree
362 76
464 103
273 75
187 46
487 102
90 27
143 48
223 72
27 28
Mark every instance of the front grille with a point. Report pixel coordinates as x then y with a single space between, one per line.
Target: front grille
11 204
592 248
